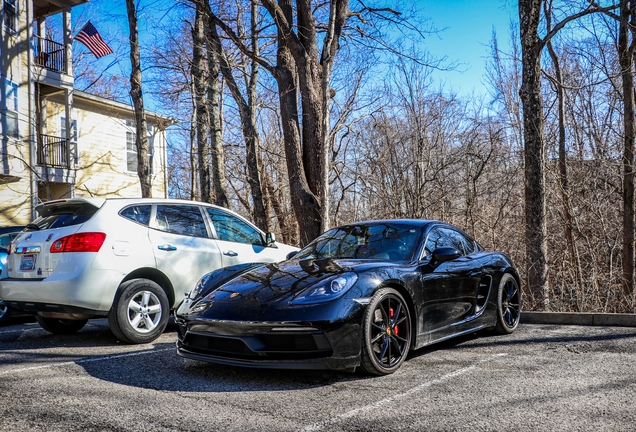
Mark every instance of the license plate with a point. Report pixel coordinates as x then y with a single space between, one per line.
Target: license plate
27 263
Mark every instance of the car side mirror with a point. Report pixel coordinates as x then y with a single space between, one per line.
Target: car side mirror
443 254
270 239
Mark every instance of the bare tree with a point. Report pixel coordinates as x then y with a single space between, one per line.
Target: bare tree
247 111
564 188
141 137
626 61
532 45
201 114
216 126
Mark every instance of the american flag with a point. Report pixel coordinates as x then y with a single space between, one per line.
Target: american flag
90 37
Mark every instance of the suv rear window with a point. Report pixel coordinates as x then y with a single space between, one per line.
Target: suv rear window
64 216
60 220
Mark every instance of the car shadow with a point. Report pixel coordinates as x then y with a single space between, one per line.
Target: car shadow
151 366
492 339
163 370
157 366
95 333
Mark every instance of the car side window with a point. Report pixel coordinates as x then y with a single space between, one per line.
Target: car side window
455 240
137 213
231 228
469 244
433 241
445 237
181 219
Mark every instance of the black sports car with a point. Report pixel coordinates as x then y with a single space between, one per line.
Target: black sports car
359 295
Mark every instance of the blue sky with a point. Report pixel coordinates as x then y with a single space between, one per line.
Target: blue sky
466 32
466 39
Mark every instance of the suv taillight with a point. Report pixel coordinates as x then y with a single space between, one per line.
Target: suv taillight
80 242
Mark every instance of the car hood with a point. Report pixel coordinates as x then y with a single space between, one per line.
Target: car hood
278 283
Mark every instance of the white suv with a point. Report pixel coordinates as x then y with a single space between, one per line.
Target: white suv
132 260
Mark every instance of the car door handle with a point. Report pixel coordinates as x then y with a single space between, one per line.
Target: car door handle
167 247
230 253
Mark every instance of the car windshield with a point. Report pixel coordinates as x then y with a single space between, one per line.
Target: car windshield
384 241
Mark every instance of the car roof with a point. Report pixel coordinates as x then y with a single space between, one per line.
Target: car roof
416 222
98 202
42 208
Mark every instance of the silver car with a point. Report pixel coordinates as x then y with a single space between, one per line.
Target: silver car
131 260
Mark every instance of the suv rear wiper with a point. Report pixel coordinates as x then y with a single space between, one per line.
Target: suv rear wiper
32 227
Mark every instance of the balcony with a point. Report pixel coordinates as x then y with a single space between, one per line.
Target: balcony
51 65
53 152
50 55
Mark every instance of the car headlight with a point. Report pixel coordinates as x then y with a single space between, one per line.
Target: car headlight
199 287
326 290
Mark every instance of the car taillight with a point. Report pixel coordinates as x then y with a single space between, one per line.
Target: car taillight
80 242
9 248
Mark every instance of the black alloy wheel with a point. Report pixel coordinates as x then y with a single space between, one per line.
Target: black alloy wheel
386 335
508 305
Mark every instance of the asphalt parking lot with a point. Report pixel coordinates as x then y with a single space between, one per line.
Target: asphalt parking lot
542 377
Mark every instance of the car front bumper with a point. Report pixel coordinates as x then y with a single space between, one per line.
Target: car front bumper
274 345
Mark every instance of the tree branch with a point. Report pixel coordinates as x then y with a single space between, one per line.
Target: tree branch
593 8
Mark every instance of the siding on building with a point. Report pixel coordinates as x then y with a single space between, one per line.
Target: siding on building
100 169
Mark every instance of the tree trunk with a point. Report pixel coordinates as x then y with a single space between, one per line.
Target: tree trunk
306 206
338 13
216 127
534 153
312 78
201 107
568 218
192 148
248 124
143 167
625 55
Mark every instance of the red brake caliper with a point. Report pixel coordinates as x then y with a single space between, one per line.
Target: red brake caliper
393 329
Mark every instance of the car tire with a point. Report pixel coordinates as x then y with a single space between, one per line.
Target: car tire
60 326
5 313
386 333
508 305
140 312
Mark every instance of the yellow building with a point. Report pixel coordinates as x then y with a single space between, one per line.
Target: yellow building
55 141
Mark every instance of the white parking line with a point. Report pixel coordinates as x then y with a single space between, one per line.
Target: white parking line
86 360
21 330
382 403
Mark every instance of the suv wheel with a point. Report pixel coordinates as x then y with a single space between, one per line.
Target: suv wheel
140 311
5 315
60 326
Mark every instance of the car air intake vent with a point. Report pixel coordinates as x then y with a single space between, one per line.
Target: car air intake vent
261 346
482 293
217 344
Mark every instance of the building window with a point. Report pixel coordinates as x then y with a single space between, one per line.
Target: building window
131 146
73 135
10 14
11 105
